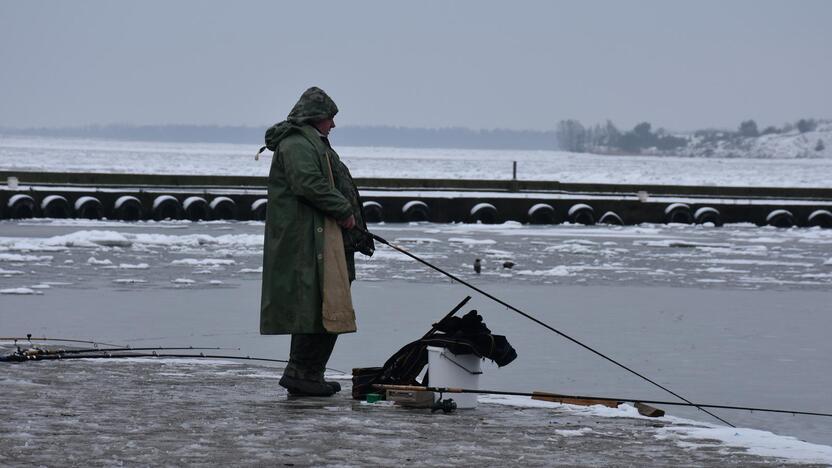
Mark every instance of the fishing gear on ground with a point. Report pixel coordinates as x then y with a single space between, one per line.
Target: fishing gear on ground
459 336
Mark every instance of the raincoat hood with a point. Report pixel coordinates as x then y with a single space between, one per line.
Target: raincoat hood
314 104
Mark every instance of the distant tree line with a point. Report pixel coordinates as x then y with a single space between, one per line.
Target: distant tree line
347 136
607 138
569 135
572 135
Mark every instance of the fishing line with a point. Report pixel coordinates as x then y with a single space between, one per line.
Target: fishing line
539 322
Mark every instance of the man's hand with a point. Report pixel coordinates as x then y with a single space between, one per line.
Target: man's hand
348 223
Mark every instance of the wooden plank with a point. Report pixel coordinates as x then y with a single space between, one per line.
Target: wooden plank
554 397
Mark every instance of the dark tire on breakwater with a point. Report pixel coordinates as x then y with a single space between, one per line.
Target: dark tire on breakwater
223 208
55 206
127 208
196 208
20 206
89 208
610 217
373 212
416 210
678 213
707 214
166 207
484 213
780 218
820 218
258 209
581 213
541 213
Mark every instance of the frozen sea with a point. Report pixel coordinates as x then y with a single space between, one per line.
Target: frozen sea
737 315
78 155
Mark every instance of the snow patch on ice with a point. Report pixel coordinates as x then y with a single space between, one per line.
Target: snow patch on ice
132 266
560 270
19 291
203 262
740 261
470 241
573 432
415 240
95 261
182 281
7 257
686 431
756 442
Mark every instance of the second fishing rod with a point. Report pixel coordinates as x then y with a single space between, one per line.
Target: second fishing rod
539 322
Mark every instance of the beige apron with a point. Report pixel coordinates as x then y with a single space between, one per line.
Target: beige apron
337 311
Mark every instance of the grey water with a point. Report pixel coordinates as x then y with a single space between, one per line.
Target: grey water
726 340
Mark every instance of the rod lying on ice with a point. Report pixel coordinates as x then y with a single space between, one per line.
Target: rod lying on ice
116 354
30 339
606 401
119 354
535 320
42 351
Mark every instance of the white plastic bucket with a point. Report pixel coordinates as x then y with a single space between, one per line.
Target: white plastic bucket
447 369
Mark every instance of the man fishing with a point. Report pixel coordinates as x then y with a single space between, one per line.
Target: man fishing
310 243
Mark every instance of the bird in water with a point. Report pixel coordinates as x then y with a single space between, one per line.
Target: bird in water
477 266
508 264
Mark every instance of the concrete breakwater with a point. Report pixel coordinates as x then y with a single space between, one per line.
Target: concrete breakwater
133 197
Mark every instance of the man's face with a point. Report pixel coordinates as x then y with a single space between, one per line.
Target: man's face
325 126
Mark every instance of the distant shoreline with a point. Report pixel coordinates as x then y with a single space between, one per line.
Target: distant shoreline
379 136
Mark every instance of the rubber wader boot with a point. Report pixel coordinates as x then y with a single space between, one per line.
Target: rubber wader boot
304 375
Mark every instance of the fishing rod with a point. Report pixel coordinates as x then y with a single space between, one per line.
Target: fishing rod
537 321
29 338
543 395
106 354
126 348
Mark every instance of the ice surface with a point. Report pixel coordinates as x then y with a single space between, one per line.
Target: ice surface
76 155
688 338
173 411
737 255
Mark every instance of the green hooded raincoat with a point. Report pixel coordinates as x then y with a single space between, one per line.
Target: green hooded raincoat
306 268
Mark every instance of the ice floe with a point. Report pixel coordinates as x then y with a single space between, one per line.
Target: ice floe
20 258
203 261
19 291
95 261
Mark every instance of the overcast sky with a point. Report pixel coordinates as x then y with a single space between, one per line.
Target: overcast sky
522 65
